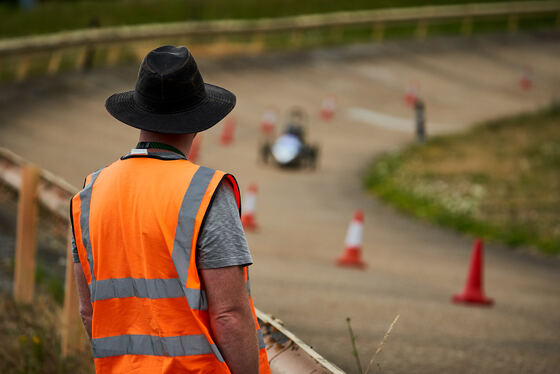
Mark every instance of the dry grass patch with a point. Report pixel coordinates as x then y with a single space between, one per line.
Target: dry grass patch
30 342
500 180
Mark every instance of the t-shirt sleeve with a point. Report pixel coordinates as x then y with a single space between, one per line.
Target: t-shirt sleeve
222 241
75 256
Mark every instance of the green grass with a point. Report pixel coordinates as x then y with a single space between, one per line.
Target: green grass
30 340
51 282
499 180
53 16
47 279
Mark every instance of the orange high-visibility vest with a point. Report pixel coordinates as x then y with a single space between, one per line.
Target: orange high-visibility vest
136 225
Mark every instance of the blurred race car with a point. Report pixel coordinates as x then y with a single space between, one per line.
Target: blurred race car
290 148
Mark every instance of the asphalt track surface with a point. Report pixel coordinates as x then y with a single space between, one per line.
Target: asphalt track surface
414 268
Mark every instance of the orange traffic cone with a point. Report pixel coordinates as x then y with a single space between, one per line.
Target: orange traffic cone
474 288
526 83
268 123
327 108
249 208
195 148
411 94
227 133
352 255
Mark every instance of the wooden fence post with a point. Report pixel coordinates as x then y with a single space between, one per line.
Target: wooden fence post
378 32
142 49
54 62
467 26
258 42
81 57
295 38
113 54
513 23
422 30
337 34
23 68
72 328
26 236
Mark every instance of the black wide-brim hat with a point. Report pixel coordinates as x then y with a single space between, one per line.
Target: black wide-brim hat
171 96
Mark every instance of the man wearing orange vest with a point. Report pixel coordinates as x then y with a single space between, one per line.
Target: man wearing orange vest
160 255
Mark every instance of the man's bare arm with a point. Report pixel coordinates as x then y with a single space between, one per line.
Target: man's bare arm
231 318
86 310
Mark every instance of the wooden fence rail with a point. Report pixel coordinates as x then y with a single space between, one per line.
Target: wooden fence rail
421 15
36 186
19 56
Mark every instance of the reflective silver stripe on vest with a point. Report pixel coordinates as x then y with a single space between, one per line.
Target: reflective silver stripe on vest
217 352
148 289
186 345
261 339
85 202
196 298
181 254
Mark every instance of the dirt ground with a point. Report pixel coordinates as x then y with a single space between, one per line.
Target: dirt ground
414 268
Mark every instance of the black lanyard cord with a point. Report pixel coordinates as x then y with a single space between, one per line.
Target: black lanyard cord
146 145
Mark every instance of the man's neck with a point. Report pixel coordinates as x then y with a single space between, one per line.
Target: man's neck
182 142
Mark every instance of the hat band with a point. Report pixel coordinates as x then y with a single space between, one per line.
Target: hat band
168 106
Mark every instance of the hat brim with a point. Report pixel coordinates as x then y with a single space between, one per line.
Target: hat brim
217 104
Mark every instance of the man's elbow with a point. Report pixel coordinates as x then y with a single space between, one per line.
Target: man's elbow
233 322
229 318
86 315
86 310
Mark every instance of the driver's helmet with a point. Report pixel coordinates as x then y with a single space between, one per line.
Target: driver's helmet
295 130
297 116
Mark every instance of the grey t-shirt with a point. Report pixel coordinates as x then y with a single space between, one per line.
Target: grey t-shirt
221 241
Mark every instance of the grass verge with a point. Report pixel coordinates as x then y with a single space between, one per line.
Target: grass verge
499 180
30 341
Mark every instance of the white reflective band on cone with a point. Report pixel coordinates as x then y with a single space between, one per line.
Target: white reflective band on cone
354 235
270 117
249 203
